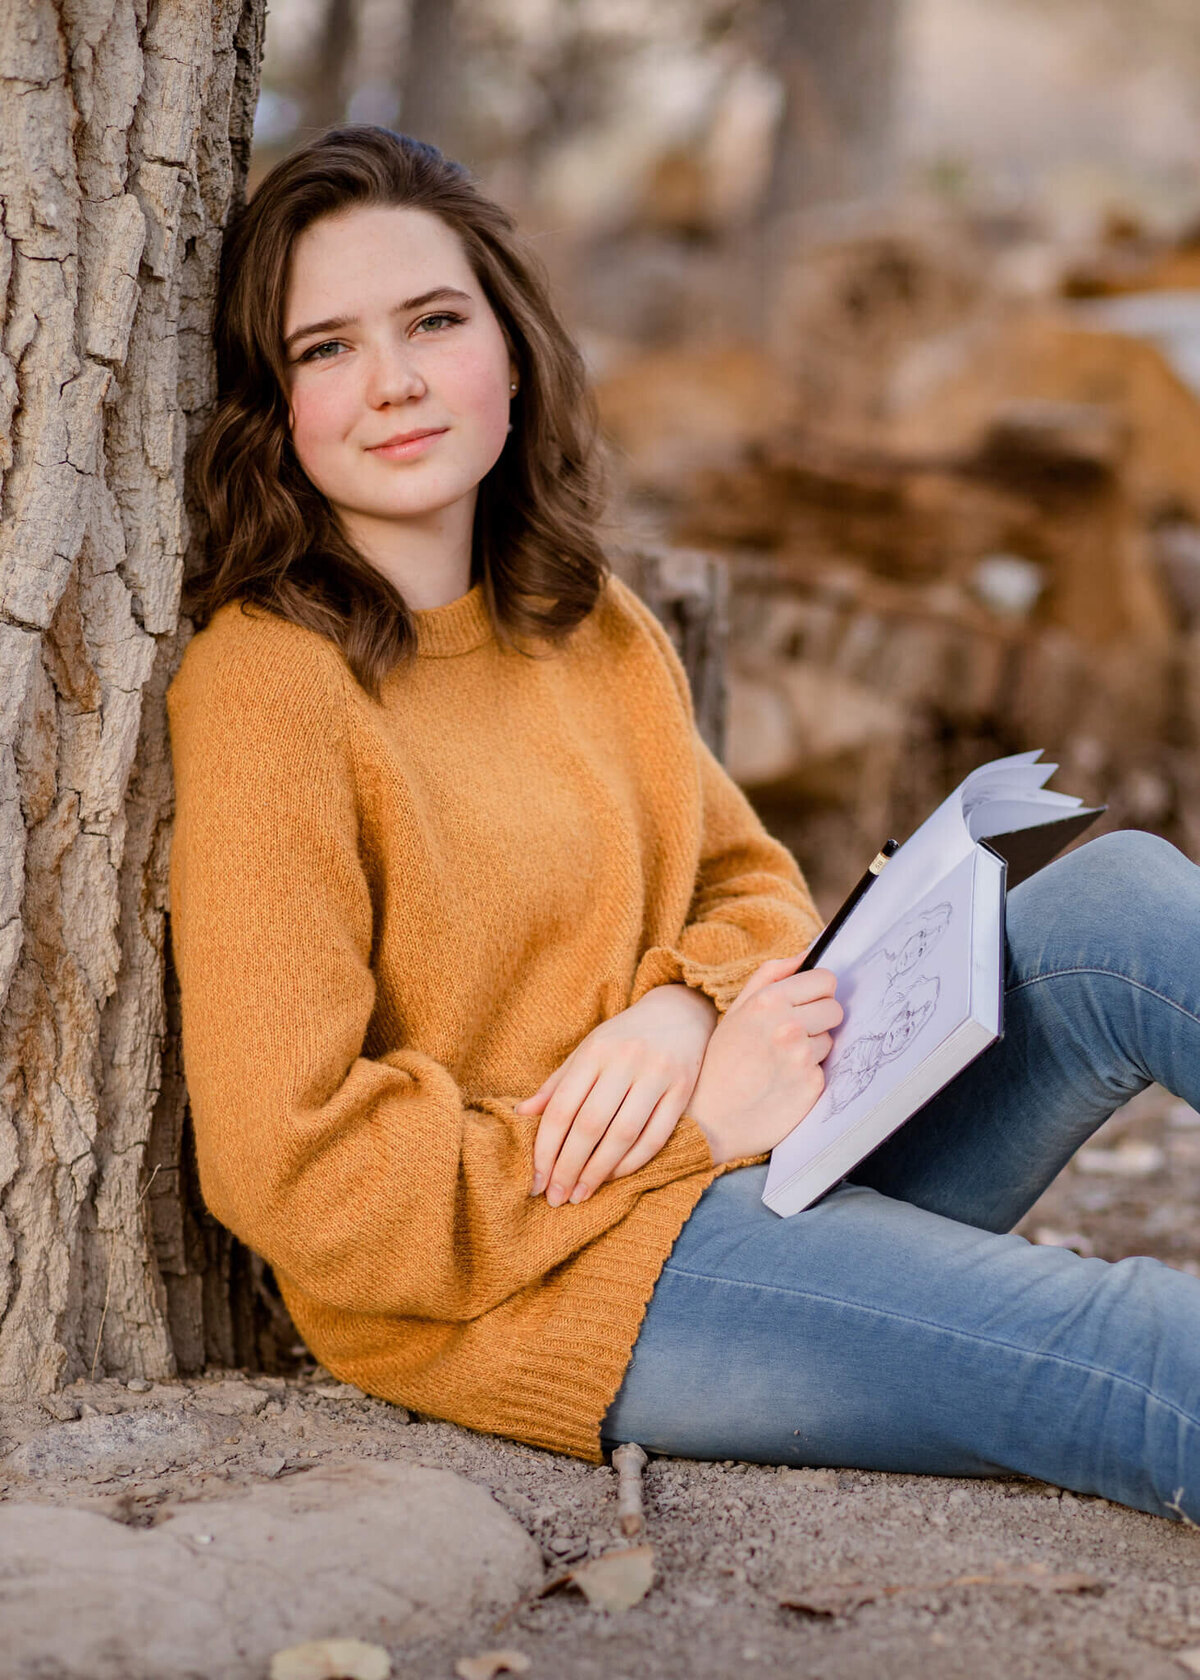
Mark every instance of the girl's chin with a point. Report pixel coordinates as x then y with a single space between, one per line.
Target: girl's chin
396 512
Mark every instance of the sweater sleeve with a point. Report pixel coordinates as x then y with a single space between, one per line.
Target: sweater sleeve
370 1182
750 901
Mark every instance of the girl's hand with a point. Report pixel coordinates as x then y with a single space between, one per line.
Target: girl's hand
762 1070
612 1105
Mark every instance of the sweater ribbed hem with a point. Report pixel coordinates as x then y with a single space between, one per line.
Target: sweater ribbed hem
562 1379
458 627
566 1384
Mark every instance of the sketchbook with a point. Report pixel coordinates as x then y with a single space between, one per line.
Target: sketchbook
920 964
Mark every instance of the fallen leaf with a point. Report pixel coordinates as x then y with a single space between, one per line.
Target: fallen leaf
488 1664
616 1581
332 1659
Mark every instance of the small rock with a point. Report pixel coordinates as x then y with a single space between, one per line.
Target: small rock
1189 1659
109 1445
139 1385
339 1391
59 1407
230 1399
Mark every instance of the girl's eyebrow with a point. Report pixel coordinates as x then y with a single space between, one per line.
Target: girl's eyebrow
336 322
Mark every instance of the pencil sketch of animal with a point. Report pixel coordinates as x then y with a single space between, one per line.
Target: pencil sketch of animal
854 1065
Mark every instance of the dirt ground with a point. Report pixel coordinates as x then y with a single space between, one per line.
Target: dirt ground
888 1575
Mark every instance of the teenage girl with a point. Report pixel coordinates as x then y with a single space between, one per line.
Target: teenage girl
490 989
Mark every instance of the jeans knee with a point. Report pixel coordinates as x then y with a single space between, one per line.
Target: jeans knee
1127 901
1126 869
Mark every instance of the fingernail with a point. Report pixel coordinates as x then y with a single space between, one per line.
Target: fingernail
556 1195
580 1193
539 1181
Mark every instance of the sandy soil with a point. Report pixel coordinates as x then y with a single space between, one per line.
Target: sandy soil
902 1576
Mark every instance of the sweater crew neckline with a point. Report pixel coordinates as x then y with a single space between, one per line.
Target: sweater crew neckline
457 627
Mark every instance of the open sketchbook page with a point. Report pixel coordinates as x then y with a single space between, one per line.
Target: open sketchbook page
903 998
998 797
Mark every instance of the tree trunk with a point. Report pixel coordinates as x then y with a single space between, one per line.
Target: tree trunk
124 135
430 86
839 62
328 91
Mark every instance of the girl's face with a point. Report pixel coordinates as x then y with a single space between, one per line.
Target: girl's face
398 372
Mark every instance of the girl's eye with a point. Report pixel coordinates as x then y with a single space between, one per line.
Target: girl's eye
445 315
314 354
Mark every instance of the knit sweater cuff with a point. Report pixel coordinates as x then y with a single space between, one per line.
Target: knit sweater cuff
663 965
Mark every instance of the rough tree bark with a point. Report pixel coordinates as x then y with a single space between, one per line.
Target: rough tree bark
124 135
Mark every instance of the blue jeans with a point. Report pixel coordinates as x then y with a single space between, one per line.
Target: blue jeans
895 1326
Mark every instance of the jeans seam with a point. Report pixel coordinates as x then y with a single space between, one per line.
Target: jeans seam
945 1329
1103 974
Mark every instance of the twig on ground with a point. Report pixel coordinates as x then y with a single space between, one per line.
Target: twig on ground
629 1461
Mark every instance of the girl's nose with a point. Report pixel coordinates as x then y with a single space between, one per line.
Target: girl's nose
393 378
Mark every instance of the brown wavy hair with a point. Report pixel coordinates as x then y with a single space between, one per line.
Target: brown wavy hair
272 536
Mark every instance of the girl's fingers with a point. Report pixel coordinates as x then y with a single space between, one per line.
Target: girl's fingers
655 1134
627 1132
593 1119
769 973
821 1016
822 1044
557 1117
814 983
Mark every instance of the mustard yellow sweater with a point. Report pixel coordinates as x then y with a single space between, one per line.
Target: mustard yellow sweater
391 922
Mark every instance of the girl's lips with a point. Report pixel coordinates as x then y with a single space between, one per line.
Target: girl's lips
404 451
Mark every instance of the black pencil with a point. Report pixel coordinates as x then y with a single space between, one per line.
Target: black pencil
872 874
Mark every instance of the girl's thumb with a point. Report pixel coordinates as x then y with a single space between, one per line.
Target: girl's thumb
776 968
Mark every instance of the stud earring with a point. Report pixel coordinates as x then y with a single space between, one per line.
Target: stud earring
513 388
